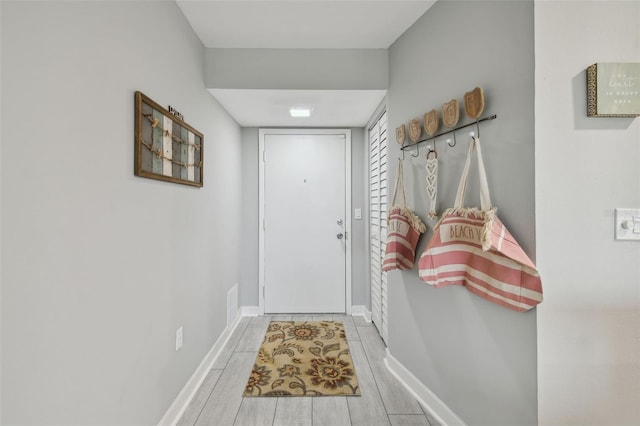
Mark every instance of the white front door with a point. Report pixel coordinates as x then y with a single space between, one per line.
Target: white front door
305 223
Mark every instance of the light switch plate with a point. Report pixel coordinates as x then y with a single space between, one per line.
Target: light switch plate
358 213
627 224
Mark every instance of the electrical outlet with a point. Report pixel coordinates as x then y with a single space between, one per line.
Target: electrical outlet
179 338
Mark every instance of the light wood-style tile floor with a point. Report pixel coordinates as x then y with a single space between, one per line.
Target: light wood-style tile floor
384 400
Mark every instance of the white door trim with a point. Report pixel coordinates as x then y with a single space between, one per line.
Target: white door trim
347 135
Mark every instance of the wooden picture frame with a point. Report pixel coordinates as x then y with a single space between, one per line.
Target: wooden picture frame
166 148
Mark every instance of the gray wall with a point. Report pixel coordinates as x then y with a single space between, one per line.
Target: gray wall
248 289
291 69
589 323
99 267
248 284
359 247
478 357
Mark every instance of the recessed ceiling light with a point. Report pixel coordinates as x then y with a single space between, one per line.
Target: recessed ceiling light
300 112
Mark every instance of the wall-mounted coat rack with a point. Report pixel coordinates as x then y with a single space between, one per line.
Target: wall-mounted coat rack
430 138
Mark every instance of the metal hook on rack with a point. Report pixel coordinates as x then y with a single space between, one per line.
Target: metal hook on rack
455 142
432 150
453 130
417 151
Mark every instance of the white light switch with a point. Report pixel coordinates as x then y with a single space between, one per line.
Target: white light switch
627 224
358 213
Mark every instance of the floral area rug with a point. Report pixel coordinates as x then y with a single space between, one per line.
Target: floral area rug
303 358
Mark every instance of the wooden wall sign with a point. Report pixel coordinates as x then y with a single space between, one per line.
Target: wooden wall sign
613 89
474 102
450 113
166 148
431 122
401 134
414 129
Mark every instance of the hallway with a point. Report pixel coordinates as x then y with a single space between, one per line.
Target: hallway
104 273
384 400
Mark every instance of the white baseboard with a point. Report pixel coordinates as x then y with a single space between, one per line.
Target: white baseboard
438 409
179 405
362 311
249 311
254 311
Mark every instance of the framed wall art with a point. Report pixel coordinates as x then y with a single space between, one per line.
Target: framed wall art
613 89
166 148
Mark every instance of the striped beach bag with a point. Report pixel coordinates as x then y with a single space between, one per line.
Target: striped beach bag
403 230
471 247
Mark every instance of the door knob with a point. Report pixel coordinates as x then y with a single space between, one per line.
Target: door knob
340 236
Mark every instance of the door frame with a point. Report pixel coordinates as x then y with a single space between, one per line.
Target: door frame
347 216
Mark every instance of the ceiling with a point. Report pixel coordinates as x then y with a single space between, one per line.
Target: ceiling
268 108
301 24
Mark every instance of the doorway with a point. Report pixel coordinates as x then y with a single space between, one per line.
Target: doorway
305 225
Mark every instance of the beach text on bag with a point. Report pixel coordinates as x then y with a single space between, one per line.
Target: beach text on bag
399 227
460 232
